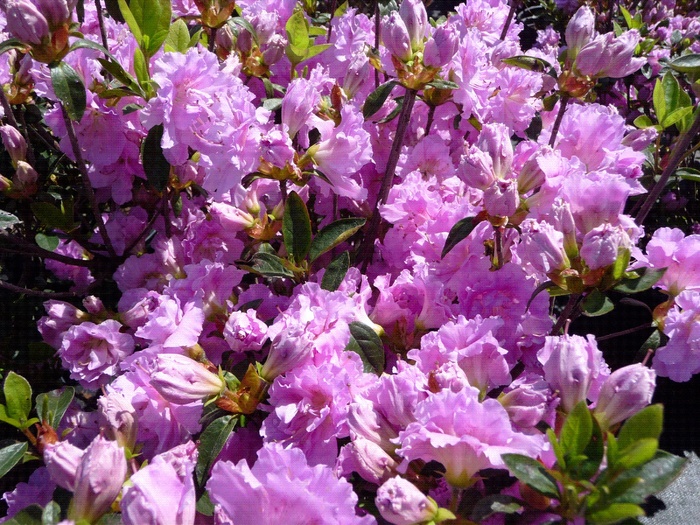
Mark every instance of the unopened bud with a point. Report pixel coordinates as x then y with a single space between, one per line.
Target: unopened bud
627 391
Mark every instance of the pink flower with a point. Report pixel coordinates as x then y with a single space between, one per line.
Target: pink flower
627 391
610 56
92 352
603 245
38 490
396 38
400 502
62 461
463 434
182 380
282 484
298 104
245 332
679 359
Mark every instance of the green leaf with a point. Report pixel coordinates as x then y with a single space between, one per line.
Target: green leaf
677 116
153 19
31 515
458 232
335 272
532 473
646 423
51 514
131 21
178 39
141 68
18 396
687 64
12 43
270 265
596 303
10 456
376 99
577 430
637 453
298 31
296 228
443 84
51 406
654 476
368 345
7 419
666 97
495 504
7 220
155 165
54 217
556 448
211 442
316 50
69 89
340 10
643 122
586 468
528 62
647 277
614 513
47 242
334 234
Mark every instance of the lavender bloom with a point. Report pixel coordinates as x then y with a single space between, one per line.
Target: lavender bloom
679 359
92 352
415 17
182 380
62 461
579 31
441 48
118 418
298 104
14 143
25 21
244 331
282 484
610 56
602 245
38 490
396 38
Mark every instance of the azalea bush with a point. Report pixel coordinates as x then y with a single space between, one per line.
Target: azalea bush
312 262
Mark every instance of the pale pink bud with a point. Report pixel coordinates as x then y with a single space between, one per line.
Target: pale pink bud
396 38
25 21
501 199
57 12
62 460
579 31
400 502
118 418
274 50
283 357
440 49
244 41
98 480
476 169
610 56
627 391
567 370
182 380
366 458
495 140
357 73
415 17
14 143
602 245
543 246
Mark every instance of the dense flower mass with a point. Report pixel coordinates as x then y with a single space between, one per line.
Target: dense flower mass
315 267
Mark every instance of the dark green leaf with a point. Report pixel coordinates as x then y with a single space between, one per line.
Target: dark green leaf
211 442
296 228
335 272
204 505
245 25
112 7
596 303
615 513
655 476
10 456
577 430
178 37
547 285
272 104
443 84
155 164
646 423
394 112
368 345
687 64
54 217
648 277
532 473
334 234
69 89
677 116
31 515
528 62
666 97
51 406
688 174
458 232
270 265
12 43
47 242
7 220
18 396
376 99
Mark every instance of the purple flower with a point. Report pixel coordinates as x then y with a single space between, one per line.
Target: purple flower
415 17
245 332
14 143
610 56
62 461
579 31
603 245
182 380
118 418
366 458
38 490
440 49
162 492
98 480
298 104
542 245
282 484
463 434
627 391
92 352
679 359
25 21
401 503
396 38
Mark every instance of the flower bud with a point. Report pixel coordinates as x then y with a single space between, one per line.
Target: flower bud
366 422
602 245
610 56
543 247
118 417
366 458
215 12
57 12
396 38
415 17
567 370
274 50
26 22
62 461
580 30
244 41
440 49
182 380
14 143
24 181
501 199
627 391
400 502
357 73
98 480
495 140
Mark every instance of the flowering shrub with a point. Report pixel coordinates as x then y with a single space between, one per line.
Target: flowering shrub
307 263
